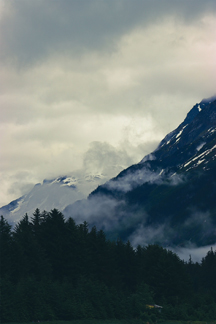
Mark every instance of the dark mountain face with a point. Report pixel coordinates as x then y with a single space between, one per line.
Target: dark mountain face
170 196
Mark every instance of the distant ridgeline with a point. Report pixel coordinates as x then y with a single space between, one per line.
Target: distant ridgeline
53 269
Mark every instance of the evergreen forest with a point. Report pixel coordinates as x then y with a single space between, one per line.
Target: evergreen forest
55 269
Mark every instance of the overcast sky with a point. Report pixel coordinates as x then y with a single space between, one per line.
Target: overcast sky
94 83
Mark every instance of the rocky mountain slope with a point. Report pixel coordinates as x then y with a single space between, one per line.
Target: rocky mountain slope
167 198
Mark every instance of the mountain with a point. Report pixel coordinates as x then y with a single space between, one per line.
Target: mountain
55 193
167 198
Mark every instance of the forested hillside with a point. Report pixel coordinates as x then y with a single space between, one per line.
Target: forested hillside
52 268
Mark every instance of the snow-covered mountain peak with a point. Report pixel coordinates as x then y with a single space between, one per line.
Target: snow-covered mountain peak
53 193
70 181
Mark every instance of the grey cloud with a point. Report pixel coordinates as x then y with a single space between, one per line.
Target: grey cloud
50 112
198 217
134 179
196 253
119 220
22 184
145 235
148 157
209 99
176 179
114 216
104 158
99 211
100 159
34 29
108 214
131 180
202 222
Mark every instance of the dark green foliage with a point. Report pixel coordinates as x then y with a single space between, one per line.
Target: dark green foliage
208 272
53 269
5 246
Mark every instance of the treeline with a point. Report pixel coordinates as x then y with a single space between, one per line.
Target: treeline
52 268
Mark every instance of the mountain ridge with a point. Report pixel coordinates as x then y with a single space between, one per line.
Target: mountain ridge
168 197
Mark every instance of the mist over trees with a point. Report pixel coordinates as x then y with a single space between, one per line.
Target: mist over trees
52 268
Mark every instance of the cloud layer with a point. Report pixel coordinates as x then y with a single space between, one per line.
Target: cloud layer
120 74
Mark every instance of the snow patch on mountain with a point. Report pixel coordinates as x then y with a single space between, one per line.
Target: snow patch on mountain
200 146
65 181
53 193
201 156
181 131
19 204
199 108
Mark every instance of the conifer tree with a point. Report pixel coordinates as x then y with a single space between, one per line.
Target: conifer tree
5 246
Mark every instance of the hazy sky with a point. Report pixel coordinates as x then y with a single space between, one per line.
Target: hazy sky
95 83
